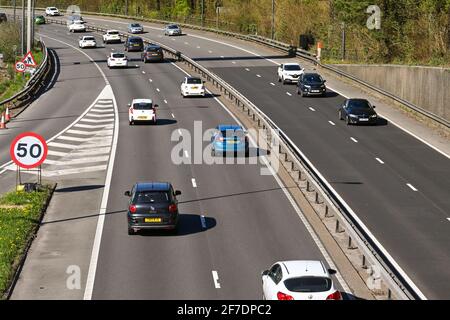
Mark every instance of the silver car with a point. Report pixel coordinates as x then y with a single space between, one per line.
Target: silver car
135 28
172 30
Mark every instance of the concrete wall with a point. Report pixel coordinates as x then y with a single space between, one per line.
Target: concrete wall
426 87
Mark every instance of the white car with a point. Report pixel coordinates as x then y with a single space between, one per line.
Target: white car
111 36
87 42
51 11
289 72
77 26
117 59
299 280
172 30
192 86
142 110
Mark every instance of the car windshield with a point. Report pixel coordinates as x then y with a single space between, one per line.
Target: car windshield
118 55
308 284
359 105
194 81
52 9
230 134
113 32
89 38
291 67
135 25
313 78
143 106
152 49
135 40
151 197
173 27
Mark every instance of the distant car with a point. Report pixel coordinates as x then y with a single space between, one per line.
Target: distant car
356 111
152 205
71 19
52 11
135 28
39 20
172 30
299 280
142 110
192 86
117 59
152 52
3 17
77 26
111 36
289 72
311 84
229 139
87 42
134 44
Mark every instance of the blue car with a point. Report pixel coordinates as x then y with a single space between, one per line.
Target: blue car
229 138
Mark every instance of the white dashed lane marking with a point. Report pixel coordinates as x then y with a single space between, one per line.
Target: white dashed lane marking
289 94
173 116
194 183
247 69
354 140
165 101
312 109
258 75
186 154
332 123
412 187
216 279
272 84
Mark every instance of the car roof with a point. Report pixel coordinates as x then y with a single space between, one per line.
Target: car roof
142 101
112 30
152 46
191 78
311 74
152 186
291 64
135 38
225 127
299 268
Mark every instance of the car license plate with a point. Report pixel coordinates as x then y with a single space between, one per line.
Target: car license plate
194 88
136 45
315 91
231 142
149 220
363 119
142 118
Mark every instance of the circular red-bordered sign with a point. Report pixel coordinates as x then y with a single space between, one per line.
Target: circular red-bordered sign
28 150
20 66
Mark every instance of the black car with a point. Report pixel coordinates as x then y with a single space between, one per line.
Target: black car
152 53
3 17
355 111
152 205
134 44
311 84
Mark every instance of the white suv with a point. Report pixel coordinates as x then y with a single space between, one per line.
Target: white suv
111 36
299 280
289 72
51 11
77 26
142 110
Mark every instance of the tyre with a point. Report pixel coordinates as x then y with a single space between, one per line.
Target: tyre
283 81
301 93
340 115
131 122
174 231
347 120
279 79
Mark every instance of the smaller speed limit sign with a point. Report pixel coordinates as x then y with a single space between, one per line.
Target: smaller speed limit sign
28 150
20 66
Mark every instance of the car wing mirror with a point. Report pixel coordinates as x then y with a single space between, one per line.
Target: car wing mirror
332 271
156 106
127 193
374 107
177 192
324 81
129 104
265 273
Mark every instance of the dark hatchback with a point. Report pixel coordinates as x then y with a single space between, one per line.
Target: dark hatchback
356 111
311 84
3 17
152 53
152 205
134 44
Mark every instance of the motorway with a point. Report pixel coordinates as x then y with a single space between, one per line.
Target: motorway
398 186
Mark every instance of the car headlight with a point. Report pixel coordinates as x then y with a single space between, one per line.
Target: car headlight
306 86
373 116
353 116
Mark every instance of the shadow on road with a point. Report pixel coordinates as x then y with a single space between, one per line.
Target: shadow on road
187 224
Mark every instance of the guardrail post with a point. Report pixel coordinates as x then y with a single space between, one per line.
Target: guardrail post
317 198
307 186
338 228
389 295
350 246
364 263
327 213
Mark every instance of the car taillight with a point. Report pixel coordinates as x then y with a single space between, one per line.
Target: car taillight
131 110
335 296
284 296
132 208
220 139
112 59
173 208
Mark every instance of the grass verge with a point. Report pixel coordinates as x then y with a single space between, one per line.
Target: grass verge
20 216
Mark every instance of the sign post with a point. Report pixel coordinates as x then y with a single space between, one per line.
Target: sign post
28 151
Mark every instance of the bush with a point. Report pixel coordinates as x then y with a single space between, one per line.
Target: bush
9 40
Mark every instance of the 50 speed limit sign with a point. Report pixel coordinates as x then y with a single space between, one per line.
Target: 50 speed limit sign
28 150
20 66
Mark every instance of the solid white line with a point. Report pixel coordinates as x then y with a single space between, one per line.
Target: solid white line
194 183
186 154
216 279
289 94
379 160
312 109
354 140
273 84
203 221
412 187
101 219
332 123
258 75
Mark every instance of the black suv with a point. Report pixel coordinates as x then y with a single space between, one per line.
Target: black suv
134 44
3 17
152 205
152 53
311 84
